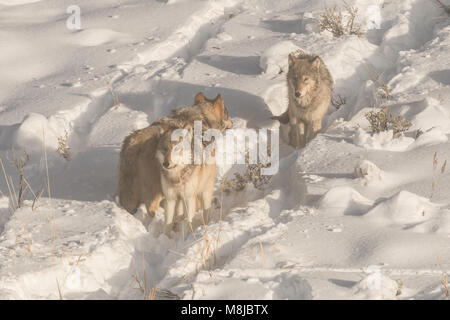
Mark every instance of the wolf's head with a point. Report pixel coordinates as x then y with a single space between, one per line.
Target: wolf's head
303 75
173 152
214 111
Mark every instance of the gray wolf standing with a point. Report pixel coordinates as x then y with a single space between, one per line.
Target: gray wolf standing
139 170
310 87
183 184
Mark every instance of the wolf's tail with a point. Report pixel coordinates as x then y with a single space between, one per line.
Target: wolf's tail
283 118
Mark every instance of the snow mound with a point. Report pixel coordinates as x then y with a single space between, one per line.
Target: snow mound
4 212
275 59
403 208
262 284
344 200
115 125
16 2
340 59
276 98
30 134
377 286
292 287
198 27
96 37
434 114
369 172
432 136
382 141
80 247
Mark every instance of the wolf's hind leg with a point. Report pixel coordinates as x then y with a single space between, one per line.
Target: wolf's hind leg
293 136
190 203
297 135
131 205
153 204
129 198
180 209
312 129
316 126
207 197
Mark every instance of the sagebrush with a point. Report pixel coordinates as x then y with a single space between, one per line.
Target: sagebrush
252 175
63 147
443 6
384 120
340 22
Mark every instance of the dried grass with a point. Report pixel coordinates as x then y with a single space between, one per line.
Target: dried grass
340 22
383 120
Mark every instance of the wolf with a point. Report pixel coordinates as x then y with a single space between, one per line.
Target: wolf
310 87
139 170
184 184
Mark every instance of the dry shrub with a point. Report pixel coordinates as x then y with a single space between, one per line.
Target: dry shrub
444 282
383 120
435 175
443 6
63 147
338 101
383 88
20 162
339 23
252 175
114 95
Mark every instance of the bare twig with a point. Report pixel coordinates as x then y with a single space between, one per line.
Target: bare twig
443 6
20 163
332 20
59 290
116 100
338 101
11 199
63 147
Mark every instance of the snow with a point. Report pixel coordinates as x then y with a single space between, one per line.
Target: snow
353 215
273 61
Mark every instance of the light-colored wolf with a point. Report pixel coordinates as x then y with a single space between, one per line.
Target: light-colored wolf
310 87
139 170
183 184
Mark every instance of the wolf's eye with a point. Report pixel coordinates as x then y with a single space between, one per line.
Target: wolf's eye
306 78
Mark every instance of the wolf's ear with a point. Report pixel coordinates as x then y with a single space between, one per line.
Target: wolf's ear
292 59
199 98
161 130
316 62
218 106
189 131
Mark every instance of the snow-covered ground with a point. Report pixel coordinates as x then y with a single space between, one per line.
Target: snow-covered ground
353 215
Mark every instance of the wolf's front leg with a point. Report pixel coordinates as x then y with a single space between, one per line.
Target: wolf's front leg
312 128
180 209
316 126
152 205
190 204
207 197
170 211
297 135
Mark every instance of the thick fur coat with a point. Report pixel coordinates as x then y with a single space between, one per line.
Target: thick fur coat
310 87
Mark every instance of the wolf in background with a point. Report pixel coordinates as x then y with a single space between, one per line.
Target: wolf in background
310 87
